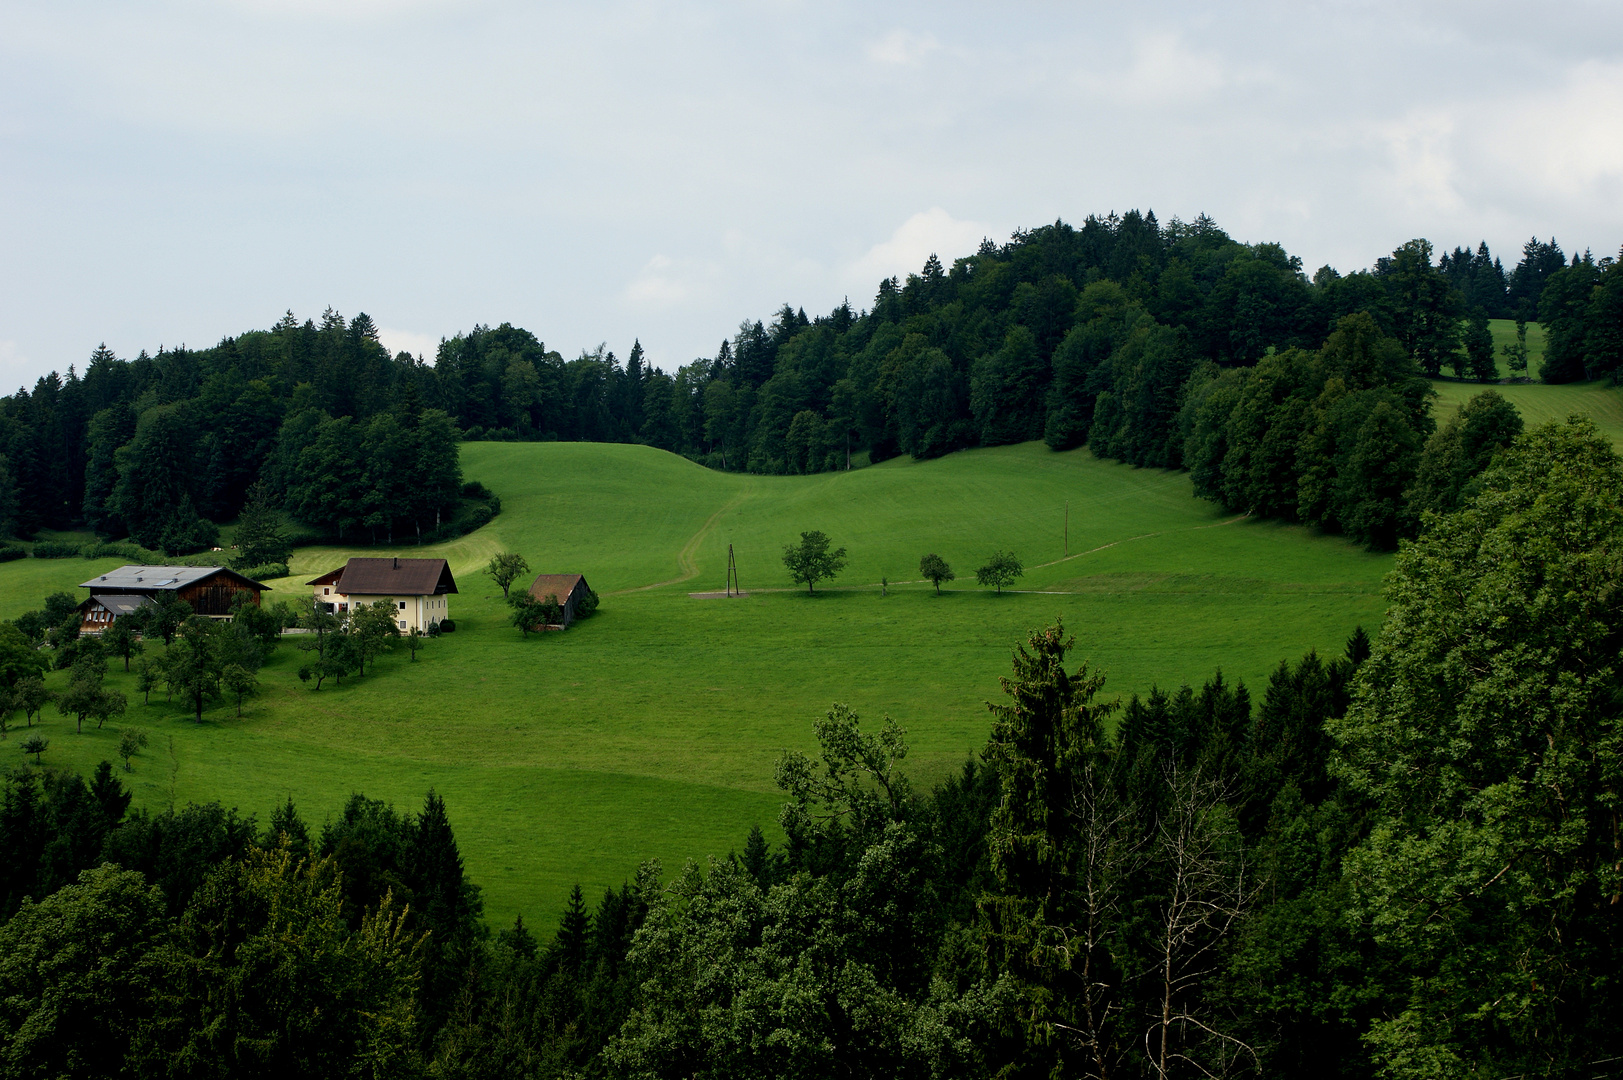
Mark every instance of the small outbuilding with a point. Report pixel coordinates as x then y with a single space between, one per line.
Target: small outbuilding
569 590
210 590
419 589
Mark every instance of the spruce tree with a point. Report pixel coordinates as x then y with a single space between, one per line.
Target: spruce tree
259 531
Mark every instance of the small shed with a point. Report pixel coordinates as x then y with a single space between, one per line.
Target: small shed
567 589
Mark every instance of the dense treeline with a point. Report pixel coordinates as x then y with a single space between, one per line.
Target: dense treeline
1397 862
1099 335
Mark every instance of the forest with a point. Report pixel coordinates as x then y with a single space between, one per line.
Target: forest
1126 335
1400 861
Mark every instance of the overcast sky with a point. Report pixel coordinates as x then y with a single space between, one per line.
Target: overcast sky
174 172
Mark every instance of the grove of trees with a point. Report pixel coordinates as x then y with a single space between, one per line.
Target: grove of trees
1101 335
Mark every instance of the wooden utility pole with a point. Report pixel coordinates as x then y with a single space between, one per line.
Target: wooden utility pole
1067 528
733 588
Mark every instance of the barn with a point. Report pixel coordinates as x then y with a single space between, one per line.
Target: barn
210 590
569 590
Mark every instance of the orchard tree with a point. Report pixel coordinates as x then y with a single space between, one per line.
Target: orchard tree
192 663
130 742
934 569
505 568
240 681
810 561
36 745
120 640
1000 570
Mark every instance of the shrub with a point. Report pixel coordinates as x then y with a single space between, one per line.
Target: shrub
12 551
265 570
473 489
588 604
55 549
447 626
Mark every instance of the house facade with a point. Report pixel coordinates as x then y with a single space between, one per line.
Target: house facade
567 589
418 589
210 590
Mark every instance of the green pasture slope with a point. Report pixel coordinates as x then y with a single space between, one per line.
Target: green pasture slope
652 729
1537 402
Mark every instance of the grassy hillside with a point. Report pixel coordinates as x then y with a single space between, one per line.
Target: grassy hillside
1539 403
651 729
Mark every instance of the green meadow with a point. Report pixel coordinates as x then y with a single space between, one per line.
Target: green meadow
651 730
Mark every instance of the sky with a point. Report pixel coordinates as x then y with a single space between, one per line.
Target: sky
176 172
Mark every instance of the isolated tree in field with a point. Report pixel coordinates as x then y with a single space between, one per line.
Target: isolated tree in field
934 569
505 568
31 696
35 745
414 641
119 640
322 625
85 695
811 561
240 681
167 616
373 627
193 664
130 742
149 673
1000 570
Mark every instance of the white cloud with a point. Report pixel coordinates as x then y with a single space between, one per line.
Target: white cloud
423 346
664 283
15 368
1569 140
1420 147
931 232
902 48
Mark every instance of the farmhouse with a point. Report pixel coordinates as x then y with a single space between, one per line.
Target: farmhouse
210 591
567 589
418 588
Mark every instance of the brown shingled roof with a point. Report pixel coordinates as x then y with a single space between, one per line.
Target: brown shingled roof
385 577
559 585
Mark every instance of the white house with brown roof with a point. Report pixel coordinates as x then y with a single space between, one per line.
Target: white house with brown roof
419 589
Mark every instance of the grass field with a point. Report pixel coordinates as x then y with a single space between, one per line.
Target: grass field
652 729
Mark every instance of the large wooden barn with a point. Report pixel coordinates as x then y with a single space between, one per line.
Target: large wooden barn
419 589
210 590
567 589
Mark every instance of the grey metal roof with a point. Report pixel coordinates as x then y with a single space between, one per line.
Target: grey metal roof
119 604
149 577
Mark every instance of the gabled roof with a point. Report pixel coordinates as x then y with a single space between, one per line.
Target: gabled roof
140 579
559 585
117 604
386 577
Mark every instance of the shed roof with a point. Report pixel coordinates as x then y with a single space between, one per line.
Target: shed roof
387 577
140 579
559 585
117 604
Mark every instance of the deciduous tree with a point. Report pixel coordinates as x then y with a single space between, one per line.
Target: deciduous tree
1000 570
934 569
811 561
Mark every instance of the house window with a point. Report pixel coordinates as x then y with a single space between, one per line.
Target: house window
402 624
326 592
402 608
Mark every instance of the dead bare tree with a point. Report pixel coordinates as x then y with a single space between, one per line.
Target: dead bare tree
1111 848
1209 890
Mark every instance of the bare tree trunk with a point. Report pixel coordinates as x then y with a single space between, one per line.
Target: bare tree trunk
1209 892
